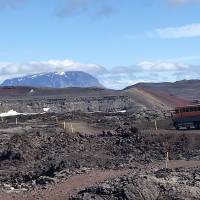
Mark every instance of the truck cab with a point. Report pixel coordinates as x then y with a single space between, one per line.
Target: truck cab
187 116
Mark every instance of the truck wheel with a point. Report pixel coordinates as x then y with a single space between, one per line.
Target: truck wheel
177 127
197 125
188 127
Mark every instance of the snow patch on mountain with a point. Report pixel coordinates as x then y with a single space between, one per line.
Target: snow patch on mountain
55 80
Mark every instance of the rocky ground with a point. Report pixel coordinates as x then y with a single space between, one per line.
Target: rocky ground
36 100
39 157
162 184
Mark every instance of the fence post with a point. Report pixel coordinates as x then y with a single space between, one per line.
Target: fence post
167 160
16 121
156 126
64 124
72 128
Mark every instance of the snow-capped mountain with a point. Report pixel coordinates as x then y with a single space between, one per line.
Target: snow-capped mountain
55 80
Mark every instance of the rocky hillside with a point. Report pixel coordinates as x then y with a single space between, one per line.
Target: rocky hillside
34 100
68 104
153 99
142 96
185 89
55 80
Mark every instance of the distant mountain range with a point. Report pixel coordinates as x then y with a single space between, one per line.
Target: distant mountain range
152 95
160 96
55 80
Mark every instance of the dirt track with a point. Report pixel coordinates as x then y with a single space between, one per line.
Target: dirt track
63 190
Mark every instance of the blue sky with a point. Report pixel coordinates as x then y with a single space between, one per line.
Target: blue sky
120 42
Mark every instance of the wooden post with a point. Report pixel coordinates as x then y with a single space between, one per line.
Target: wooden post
64 124
57 119
156 126
72 128
167 160
16 121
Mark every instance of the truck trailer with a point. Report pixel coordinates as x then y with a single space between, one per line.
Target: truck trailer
187 116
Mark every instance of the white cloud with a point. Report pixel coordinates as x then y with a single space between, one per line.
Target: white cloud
117 77
161 66
146 71
33 67
68 65
191 30
186 31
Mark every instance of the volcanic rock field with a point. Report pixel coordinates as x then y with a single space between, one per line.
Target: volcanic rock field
95 147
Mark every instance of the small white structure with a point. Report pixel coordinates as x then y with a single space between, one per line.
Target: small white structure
9 113
46 109
122 111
